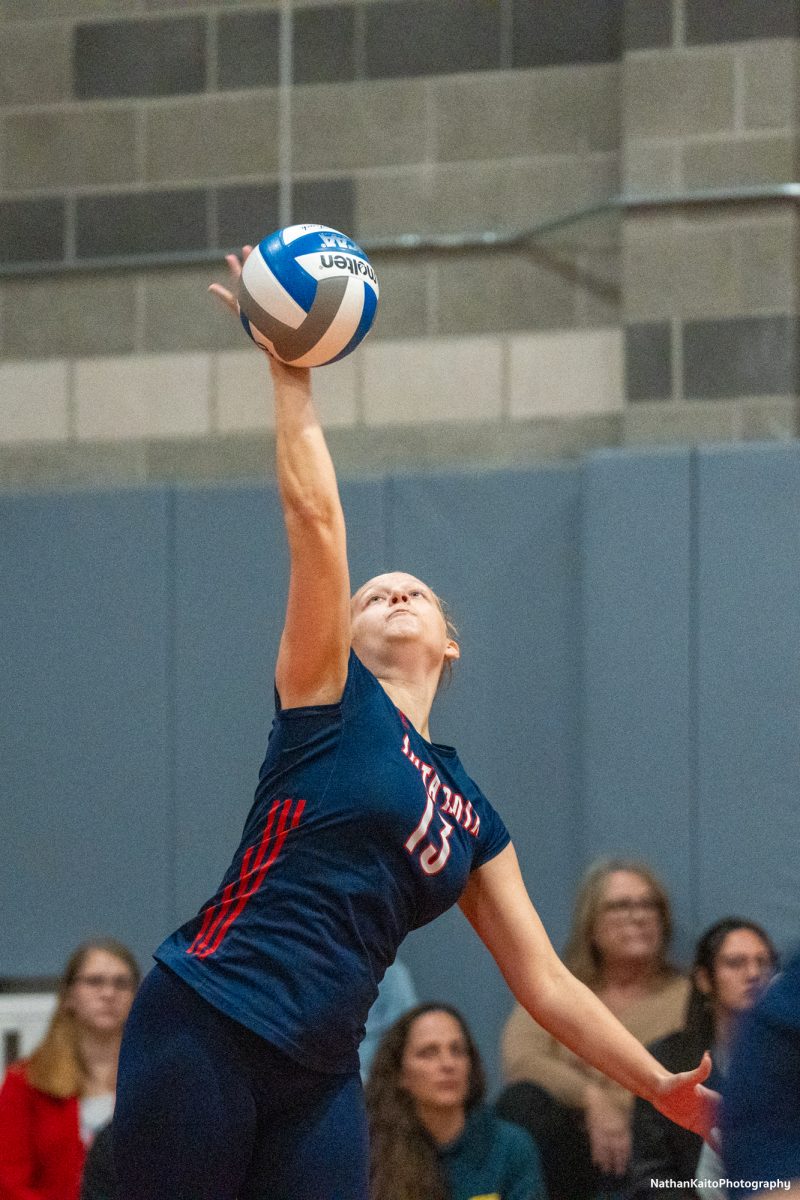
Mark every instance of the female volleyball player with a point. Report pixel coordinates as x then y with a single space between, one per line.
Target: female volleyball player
239 1070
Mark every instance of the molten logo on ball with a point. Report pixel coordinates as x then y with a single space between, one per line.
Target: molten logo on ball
308 294
356 266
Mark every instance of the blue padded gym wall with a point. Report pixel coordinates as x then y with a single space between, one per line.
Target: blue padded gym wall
84 626
636 694
629 684
748 566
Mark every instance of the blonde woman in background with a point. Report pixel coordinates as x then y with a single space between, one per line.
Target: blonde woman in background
53 1103
618 946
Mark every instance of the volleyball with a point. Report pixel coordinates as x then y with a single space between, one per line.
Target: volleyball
308 294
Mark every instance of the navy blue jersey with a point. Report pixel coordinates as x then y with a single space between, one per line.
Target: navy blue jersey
360 831
761 1096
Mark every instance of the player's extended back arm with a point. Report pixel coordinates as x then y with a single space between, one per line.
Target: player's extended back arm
497 905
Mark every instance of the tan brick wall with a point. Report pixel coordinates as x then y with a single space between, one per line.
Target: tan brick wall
710 118
138 372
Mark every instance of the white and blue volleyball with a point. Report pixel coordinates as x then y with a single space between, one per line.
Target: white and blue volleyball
308 294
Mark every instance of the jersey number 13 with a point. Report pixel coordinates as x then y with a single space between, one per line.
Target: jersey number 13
432 857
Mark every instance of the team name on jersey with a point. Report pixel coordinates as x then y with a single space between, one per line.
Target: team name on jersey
450 802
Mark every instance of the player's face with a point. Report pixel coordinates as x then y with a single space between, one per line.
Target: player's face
628 928
398 610
741 969
102 993
436 1063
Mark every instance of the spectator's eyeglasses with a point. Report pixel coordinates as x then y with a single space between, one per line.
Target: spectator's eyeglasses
119 983
627 907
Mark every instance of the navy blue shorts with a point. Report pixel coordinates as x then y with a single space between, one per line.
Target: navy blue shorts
207 1110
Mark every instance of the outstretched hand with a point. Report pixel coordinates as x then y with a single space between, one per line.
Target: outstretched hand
685 1101
235 265
281 372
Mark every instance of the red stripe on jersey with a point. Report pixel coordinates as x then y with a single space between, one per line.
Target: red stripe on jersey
208 920
257 874
209 927
216 913
249 881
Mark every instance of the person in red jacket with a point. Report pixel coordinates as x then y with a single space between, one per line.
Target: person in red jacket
52 1103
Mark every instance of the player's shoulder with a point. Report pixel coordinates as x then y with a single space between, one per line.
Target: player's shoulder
358 681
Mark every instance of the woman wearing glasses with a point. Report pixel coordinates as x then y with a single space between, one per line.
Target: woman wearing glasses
733 962
618 946
53 1103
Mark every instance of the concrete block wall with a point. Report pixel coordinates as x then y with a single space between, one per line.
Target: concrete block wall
157 128
711 100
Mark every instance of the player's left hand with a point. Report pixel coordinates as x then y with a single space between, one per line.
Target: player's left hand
685 1101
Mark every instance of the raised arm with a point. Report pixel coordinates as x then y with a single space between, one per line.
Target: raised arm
497 906
315 643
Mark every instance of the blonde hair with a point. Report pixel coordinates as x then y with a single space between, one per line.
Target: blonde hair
581 954
446 676
56 1066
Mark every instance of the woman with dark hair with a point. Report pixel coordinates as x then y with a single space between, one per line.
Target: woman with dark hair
733 962
239 1067
431 1137
619 948
761 1118
53 1103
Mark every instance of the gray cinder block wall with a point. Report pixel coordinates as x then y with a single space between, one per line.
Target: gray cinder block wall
710 103
165 132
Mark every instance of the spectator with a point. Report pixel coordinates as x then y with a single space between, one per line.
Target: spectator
431 1136
618 946
52 1104
396 995
733 961
761 1102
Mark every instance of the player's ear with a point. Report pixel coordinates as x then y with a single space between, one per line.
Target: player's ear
452 651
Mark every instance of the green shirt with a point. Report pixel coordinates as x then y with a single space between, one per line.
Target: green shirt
492 1160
